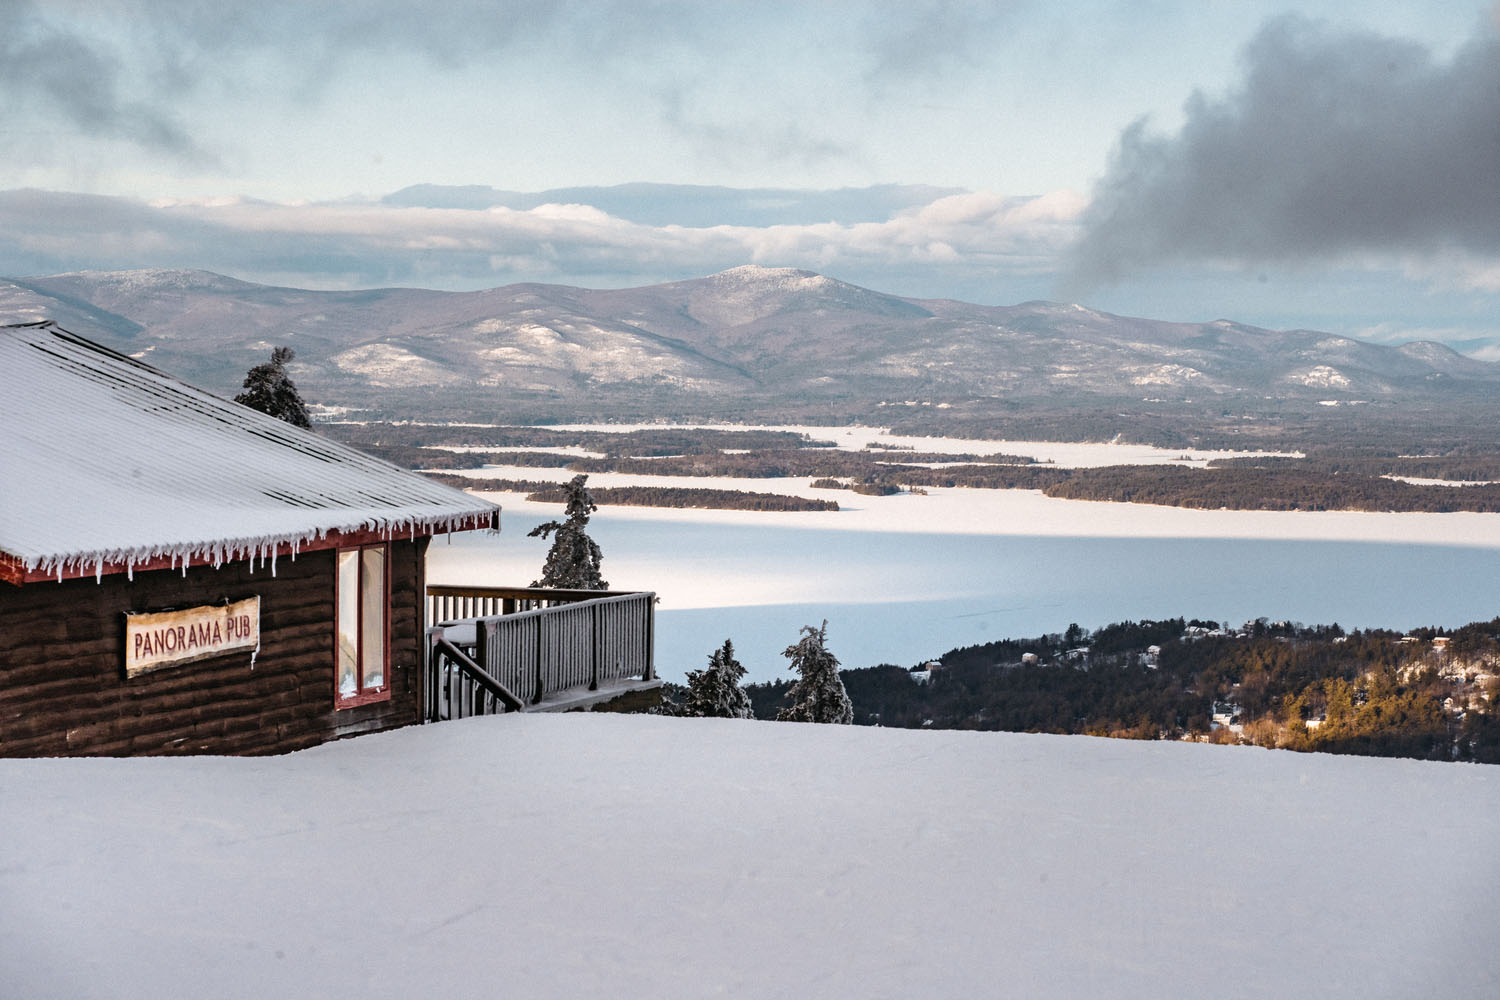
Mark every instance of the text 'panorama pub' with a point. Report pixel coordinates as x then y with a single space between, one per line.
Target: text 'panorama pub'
179 573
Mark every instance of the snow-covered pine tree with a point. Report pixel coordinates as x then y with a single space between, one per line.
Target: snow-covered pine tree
715 692
573 561
818 695
269 389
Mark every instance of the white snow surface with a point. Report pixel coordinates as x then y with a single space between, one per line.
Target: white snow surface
1064 455
106 460
1013 512
629 856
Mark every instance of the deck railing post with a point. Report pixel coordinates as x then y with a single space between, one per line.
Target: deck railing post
429 677
594 648
482 645
650 673
541 657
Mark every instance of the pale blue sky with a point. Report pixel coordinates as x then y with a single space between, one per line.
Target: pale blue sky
260 141
290 101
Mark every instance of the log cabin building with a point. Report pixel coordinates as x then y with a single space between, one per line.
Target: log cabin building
181 574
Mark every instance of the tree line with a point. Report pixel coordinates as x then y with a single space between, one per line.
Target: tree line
1242 487
1375 692
644 496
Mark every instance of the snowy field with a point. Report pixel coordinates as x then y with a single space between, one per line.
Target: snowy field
1067 455
573 856
1009 512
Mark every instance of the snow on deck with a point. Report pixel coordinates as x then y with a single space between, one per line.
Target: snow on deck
612 856
106 460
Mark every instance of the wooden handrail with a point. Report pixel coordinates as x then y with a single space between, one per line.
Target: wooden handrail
534 654
523 593
449 602
440 647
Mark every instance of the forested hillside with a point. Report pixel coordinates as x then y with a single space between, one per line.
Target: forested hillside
1429 694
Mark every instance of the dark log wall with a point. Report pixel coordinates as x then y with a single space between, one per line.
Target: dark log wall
63 688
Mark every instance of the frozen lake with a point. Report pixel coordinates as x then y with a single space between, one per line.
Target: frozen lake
901 579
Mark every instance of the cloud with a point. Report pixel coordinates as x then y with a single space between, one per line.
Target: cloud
913 41
49 69
973 240
782 140
1336 147
692 205
141 73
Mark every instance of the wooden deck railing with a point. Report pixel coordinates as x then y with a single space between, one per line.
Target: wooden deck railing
457 687
451 603
572 640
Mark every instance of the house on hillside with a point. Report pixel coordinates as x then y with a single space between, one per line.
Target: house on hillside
181 574
1078 656
1226 714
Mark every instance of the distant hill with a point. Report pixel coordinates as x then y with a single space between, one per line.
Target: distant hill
751 343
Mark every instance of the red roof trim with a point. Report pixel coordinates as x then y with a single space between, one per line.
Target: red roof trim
12 570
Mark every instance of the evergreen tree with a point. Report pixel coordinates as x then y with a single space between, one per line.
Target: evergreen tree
818 695
269 389
573 561
715 692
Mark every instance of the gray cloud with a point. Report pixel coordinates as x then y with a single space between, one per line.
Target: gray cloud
776 141
1335 146
917 40
63 75
141 75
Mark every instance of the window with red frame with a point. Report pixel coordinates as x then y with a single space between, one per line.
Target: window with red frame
362 670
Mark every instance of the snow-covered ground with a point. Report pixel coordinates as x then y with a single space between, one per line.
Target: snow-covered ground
1418 481
570 856
1010 512
1067 455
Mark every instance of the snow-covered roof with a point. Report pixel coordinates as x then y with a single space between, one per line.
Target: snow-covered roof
106 462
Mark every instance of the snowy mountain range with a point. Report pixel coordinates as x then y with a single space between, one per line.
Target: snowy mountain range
750 341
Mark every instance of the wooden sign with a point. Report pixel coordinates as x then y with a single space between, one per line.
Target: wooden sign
165 638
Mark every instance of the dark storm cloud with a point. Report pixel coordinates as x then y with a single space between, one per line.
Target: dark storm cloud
1335 145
